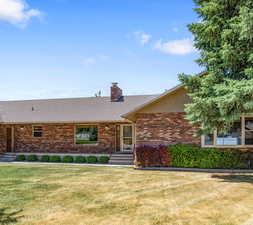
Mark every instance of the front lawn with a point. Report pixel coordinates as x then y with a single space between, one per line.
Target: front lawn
84 195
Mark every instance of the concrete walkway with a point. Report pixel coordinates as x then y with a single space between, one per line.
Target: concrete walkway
196 170
70 164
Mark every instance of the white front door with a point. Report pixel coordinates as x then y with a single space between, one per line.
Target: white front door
127 138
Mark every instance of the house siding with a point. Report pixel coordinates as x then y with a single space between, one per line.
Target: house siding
165 129
58 138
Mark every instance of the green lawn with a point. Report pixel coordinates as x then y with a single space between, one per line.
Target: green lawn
85 195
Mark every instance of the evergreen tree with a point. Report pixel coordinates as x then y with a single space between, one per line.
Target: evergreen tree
224 38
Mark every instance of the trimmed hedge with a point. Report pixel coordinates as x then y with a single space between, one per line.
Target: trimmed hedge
44 158
55 158
187 156
32 158
20 158
68 159
92 159
65 159
103 159
211 158
80 159
148 156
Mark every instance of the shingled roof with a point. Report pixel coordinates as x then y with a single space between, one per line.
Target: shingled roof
81 110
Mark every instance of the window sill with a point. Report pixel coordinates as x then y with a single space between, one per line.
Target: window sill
227 146
83 145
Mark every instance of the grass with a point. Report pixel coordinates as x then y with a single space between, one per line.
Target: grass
33 194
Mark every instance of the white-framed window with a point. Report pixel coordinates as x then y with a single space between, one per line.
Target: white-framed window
241 134
86 135
37 131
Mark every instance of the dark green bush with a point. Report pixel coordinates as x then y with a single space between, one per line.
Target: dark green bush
68 159
55 158
80 159
32 158
103 159
92 159
20 158
191 156
44 158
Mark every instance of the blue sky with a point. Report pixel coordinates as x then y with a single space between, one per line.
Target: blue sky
71 48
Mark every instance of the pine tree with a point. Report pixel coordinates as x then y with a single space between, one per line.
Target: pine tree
224 38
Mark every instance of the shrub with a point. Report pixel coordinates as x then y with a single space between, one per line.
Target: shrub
103 159
148 156
68 159
92 159
55 158
191 156
20 158
44 158
80 159
32 158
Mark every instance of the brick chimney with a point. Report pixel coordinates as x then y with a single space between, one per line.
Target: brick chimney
116 93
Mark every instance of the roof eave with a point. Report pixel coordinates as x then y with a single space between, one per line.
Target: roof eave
170 91
68 122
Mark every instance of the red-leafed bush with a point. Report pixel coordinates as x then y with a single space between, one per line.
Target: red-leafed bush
149 156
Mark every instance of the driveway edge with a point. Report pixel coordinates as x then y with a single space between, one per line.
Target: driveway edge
196 170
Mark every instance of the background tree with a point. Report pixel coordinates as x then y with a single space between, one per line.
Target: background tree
224 38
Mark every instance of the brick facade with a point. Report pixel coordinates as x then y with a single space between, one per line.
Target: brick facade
2 139
164 128
58 138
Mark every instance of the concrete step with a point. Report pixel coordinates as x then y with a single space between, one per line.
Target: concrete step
117 157
6 160
8 157
117 154
123 153
122 159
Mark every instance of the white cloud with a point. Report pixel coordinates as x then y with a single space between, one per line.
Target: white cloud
17 12
176 47
89 61
175 29
142 37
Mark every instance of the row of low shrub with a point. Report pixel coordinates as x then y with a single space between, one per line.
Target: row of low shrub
149 156
187 156
211 158
64 159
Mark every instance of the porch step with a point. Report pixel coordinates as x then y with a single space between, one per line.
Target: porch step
122 159
8 157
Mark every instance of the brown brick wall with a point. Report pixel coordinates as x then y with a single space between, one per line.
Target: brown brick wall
59 138
164 128
2 139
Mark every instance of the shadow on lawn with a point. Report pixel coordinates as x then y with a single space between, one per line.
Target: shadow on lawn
235 178
9 217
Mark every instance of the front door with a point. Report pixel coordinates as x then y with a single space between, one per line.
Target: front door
9 137
127 138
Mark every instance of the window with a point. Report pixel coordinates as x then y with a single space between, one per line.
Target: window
241 134
208 139
86 135
37 131
248 131
233 137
